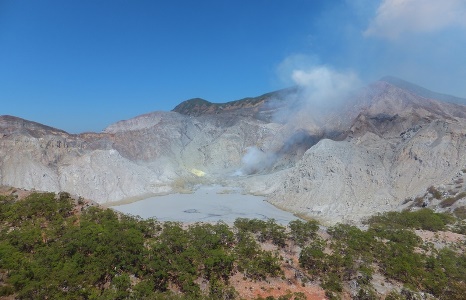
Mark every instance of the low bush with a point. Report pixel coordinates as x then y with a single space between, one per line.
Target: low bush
435 192
425 219
447 202
48 251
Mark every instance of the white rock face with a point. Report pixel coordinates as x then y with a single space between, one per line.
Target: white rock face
389 144
144 156
105 175
335 180
394 151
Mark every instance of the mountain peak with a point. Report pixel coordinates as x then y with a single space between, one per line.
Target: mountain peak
420 91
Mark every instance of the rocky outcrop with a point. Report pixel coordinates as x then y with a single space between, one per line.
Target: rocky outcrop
396 148
367 155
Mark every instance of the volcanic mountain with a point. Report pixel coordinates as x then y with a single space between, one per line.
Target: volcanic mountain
370 153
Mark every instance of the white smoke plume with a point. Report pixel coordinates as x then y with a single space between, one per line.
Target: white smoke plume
324 86
255 160
422 41
320 92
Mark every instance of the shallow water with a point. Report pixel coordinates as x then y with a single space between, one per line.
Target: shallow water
207 204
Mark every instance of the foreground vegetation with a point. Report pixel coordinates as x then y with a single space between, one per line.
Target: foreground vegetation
52 248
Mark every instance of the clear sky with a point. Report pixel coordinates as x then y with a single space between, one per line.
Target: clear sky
84 64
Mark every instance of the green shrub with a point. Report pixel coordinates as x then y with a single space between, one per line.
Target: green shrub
48 252
394 295
424 219
332 282
301 232
266 230
313 258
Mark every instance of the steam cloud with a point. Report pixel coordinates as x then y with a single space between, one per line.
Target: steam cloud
324 86
321 91
422 41
255 160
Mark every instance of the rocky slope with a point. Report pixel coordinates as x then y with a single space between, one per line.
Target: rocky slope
396 148
369 154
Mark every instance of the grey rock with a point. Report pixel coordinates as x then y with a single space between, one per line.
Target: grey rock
367 156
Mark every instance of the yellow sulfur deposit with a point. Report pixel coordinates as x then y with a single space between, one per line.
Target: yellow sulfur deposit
197 172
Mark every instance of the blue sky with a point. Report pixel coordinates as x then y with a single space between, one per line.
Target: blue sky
82 65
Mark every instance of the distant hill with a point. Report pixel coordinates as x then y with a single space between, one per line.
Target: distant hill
252 106
423 92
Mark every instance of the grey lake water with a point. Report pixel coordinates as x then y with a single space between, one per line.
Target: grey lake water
207 204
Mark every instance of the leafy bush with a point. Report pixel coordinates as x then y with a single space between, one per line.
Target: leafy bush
313 258
301 232
47 250
266 230
254 262
424 219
